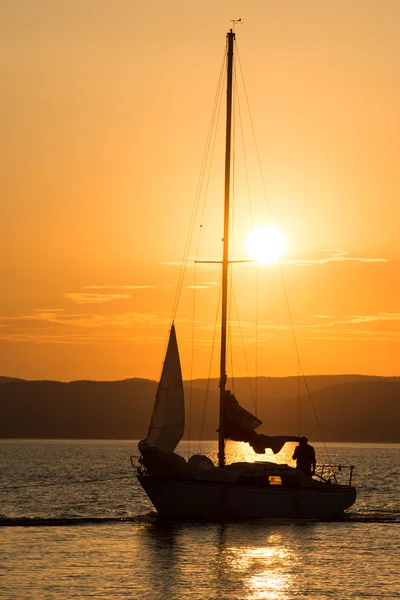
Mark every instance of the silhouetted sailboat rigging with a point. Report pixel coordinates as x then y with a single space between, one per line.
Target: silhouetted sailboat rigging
197 488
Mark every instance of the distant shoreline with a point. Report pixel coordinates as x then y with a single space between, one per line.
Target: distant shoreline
317 444
351 409
7 379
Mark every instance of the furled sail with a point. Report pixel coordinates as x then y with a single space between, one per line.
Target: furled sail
240 425
168 420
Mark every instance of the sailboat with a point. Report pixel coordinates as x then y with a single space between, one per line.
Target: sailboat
198 489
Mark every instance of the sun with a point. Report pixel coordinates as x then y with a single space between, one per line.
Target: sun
266 244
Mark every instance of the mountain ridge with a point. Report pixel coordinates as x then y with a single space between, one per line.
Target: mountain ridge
350 408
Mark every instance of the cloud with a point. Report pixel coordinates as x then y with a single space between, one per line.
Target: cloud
348 334
359 319
87 298
58 318
351 328
136 318
118 287
80 338
198 287
311 257
92 320
347 328
322 257
43 339
382 316
205 264
53 327
96 297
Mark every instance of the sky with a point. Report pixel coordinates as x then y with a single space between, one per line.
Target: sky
105 112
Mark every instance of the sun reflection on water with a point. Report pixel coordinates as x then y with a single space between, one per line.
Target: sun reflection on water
265 569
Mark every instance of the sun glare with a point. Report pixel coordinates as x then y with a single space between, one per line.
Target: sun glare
266 244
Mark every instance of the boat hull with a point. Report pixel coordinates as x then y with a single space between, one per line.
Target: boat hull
214 500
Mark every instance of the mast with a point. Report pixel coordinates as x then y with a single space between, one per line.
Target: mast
225 256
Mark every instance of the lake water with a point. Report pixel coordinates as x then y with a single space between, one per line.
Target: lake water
75 524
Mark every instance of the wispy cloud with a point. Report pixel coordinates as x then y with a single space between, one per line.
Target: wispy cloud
35 338
359 319
79 338
352 327
118 287
88 298
198 287
56 318
56 327
322 257
136 318
92 320
206 263
311 257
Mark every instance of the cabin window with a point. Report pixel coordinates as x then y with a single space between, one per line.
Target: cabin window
275 480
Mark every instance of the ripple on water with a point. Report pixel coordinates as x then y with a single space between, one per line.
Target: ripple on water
102 538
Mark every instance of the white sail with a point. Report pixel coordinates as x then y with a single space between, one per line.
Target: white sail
168 420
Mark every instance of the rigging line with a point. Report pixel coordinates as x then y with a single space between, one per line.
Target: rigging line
230 333
255 398
207 390
211 141
196 254
298 396
314 411
232 215
197 195
198 192
192 356
244 351
265 194
299 361
213 147
216 120
256 349
254 134
244 155
283 282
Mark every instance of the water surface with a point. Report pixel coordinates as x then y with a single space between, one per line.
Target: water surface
77 524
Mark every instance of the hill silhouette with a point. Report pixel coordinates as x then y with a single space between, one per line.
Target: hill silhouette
350 408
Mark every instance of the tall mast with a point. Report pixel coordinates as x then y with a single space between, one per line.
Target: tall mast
225 256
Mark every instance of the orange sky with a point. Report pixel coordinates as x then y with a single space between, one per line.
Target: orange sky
105 113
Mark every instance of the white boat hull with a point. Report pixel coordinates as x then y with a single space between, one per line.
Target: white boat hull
214 500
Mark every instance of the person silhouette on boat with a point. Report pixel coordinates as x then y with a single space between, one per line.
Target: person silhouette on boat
304 454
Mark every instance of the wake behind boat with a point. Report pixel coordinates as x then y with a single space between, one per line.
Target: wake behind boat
197 488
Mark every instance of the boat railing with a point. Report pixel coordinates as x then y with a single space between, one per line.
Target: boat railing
137 463
335 473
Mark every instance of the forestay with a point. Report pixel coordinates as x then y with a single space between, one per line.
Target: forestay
168 420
